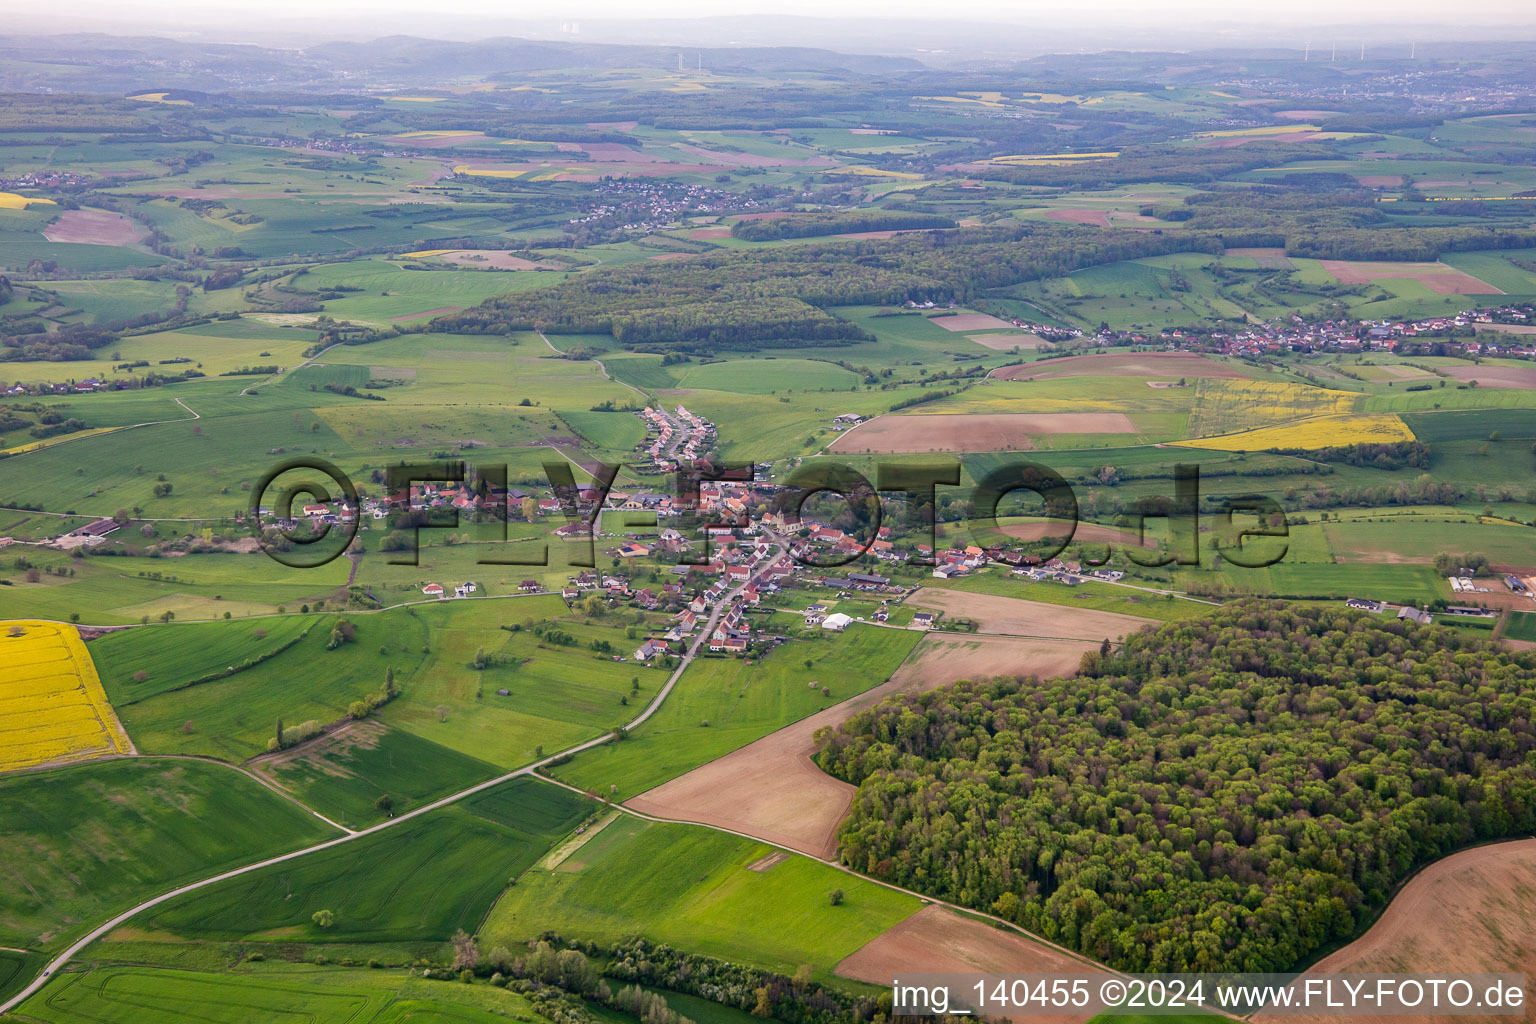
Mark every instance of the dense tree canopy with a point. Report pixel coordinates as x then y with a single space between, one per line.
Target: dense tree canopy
1233 792
742 299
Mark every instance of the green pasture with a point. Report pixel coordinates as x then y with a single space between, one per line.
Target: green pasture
693 888
418 881
84 842
721 704
171 656
261 991
345 774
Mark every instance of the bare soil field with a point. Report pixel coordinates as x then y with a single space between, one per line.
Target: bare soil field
498 258
972 322
1086 533
1145 364
1380 180
93 227
1496 376
1508 328
1305 115
425 312
974 432
939 940
772 789
1274 258
1405 371
1470 912
1243 140
1438 277
1095 218
1029 618
1004 342
751 159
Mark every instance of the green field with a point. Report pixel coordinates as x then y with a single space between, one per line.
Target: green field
692 887
416 882
169 661
721 704
233 717
345 775
81 843
322 995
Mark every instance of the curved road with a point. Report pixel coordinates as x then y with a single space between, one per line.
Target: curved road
649 710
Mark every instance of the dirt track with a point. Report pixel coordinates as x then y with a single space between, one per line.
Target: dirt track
771 788
1470 912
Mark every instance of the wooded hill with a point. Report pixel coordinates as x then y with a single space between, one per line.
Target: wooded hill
1228 793
746 299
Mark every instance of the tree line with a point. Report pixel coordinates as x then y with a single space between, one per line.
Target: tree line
812 225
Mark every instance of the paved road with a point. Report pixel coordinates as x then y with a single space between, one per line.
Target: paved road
650 709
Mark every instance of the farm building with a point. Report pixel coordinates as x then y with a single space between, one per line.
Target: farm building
837 622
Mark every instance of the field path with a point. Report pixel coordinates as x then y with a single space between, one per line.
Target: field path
601 369
280 374
127 915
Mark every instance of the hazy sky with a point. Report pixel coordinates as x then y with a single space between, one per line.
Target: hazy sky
1386 12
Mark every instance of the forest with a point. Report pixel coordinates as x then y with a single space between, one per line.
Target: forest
817 224
718 298
1231 793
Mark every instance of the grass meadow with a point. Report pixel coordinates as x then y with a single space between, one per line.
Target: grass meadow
693 888
81 843
721 704
416 882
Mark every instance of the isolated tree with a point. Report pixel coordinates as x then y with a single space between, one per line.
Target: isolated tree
836 899
442 712
279 732
323 918
466 955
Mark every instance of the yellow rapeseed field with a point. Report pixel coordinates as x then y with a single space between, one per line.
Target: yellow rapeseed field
12 201
422 254
487 172
449 134
875 172
1052 158
1315 432
159 97
1274 129
52 706
1224 407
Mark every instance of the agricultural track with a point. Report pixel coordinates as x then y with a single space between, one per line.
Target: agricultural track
650 709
